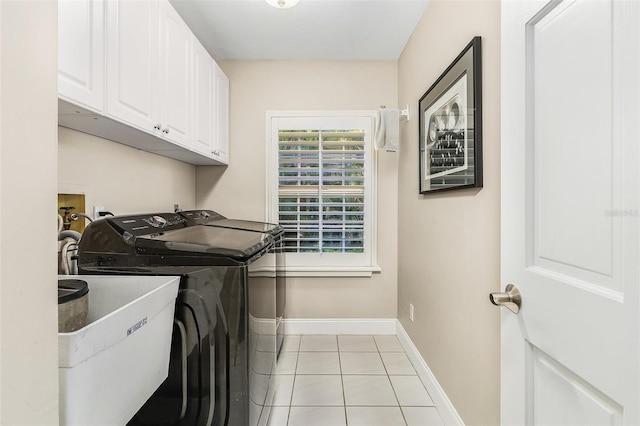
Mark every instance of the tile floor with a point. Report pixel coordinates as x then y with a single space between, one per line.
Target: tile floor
349 380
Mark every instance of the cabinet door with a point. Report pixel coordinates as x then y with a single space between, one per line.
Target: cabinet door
81 53
175 76
221 147
132 63
203 99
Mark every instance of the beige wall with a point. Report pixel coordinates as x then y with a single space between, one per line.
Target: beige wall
239 190
449 243
122 179
28 295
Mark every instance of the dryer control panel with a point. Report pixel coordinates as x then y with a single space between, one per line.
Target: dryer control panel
147 224
202 217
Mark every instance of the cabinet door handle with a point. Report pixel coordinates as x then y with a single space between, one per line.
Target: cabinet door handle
157 126
165 130
216 152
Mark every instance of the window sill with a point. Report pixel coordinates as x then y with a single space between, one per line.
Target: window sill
336 271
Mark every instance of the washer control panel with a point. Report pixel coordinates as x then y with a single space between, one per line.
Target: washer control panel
156 221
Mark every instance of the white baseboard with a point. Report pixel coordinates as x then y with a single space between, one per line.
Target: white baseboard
340 326
443 404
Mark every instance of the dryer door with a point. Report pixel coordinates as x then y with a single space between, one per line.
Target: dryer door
195 391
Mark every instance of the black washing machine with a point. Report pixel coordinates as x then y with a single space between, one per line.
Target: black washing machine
223 355
212 218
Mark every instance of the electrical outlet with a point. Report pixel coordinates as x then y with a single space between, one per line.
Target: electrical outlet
96 212
411 312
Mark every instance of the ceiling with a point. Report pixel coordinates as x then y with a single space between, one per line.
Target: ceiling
312 30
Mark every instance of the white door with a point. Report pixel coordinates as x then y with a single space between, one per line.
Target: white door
175 76
570 216
81 53
132 63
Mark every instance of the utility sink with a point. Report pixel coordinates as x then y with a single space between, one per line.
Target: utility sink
109 368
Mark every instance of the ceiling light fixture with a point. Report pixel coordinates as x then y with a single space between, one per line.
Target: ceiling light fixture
282 4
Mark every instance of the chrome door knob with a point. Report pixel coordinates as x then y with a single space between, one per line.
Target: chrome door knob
510 298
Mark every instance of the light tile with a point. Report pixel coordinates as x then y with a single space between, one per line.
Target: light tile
318 390
279 416
322 343
388 343
284 389
410 391
259 386
291 343
361 363
318 363
397 363
368 390
255 411
378 388
356 344
262 362
286 363
375 416
265 343
422 416
317 416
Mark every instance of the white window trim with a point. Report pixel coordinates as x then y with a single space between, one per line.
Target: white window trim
272 196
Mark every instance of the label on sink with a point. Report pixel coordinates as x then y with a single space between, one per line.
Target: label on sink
136 326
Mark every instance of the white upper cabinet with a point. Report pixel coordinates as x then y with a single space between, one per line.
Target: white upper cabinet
221 147
203 99
81 53
132 63
211 106
149 68
175 76
133 72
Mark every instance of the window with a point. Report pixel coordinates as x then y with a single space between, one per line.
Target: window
321 190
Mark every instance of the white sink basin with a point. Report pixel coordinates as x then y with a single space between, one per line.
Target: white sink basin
109 368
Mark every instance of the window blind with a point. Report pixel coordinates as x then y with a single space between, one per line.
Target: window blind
321 190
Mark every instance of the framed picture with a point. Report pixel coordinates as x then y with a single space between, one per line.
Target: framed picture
451 126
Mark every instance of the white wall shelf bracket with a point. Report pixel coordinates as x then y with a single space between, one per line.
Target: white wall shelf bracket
405 113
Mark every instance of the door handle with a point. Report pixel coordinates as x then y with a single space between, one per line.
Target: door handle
510 298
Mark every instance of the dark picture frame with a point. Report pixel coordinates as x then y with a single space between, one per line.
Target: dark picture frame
450 151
